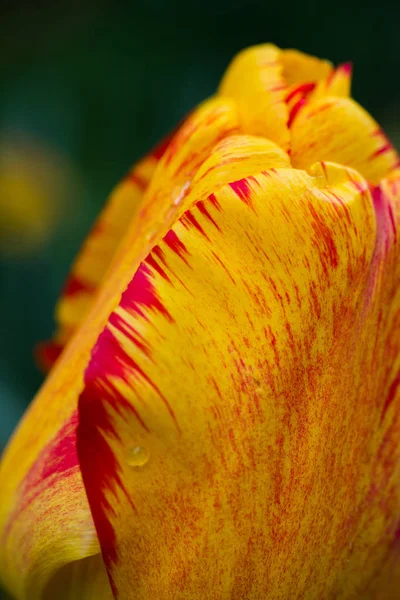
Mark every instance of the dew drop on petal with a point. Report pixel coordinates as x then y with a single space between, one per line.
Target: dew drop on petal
138 456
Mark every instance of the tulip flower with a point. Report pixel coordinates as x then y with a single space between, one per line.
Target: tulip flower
223 421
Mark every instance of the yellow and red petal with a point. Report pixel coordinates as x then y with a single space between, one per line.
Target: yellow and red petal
303 76
255 81
299 94
338 129
225 451
338 83
40 477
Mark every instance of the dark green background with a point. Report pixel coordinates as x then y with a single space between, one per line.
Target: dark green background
101 83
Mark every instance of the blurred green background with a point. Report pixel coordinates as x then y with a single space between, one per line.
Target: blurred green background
87 87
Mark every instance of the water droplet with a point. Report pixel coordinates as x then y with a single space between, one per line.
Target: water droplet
138 456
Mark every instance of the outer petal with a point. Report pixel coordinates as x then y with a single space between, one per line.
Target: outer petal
40 479
235 434
254 80
338 129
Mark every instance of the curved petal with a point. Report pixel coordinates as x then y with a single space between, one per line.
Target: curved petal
40 478
38 535
339 130
233 405
254 80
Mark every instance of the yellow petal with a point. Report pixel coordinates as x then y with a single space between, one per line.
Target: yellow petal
235 436
339 130
254 80
44 517
39 478
338 83
299 67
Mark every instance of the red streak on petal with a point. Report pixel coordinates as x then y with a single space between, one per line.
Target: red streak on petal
346 67
99 467
110 361
159 150
243 190
324 235
61 452
294 111
329 103
173 242
224 267
74 285
303 89
151 261
213 199
46 354
391 394
201 206
160 255
189 218
139 181
391 217
134 336
381 151
384 236
140 293
57 458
